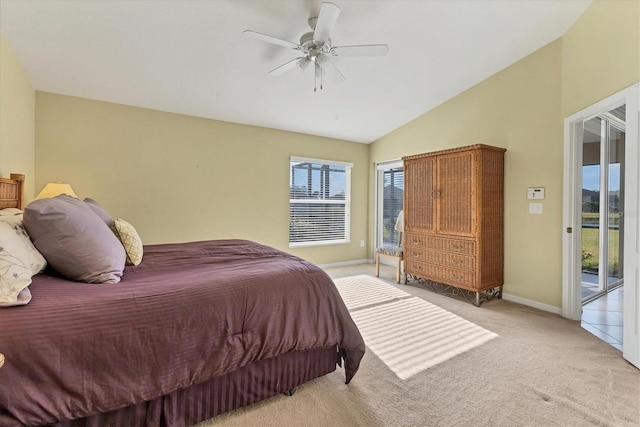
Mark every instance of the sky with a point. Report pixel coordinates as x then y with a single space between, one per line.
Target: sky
336 179
591 177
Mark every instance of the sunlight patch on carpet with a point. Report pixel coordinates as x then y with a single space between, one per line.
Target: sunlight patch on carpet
407 333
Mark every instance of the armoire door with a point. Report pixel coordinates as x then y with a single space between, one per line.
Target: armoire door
419 203
455 195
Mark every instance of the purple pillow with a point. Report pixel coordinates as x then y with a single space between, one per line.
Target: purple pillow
74 240
100 211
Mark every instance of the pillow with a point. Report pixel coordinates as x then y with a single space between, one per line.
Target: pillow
74 240
100 211
19 261
130 240
10 212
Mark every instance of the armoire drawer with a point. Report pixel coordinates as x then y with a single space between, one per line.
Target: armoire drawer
464 247
449 276
444 259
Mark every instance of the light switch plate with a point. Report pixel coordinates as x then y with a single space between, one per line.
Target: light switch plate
535 208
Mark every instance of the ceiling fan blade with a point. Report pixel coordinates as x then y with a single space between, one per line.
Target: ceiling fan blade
361 50
326 21
334 73
285 67
271 39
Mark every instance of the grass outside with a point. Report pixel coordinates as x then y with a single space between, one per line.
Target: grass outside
590 247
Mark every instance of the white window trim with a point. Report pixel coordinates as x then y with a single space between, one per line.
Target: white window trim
323 161
347 201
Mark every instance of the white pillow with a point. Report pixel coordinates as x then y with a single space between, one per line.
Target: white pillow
19 261
10 212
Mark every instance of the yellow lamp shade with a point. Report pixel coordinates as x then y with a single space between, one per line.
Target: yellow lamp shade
54 189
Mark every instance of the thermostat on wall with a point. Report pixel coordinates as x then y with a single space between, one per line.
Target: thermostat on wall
535 193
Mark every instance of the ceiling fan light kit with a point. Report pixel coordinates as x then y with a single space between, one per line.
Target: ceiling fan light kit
303 63
316 46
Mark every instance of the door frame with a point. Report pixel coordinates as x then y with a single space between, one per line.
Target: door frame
606 124
572 189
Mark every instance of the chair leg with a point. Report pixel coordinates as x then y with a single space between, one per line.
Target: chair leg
377 265
398 271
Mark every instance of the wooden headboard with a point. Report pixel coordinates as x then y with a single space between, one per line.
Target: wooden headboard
12 191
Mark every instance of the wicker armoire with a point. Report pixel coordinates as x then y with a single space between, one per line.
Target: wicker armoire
454 220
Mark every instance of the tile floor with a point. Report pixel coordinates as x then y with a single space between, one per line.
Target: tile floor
603 317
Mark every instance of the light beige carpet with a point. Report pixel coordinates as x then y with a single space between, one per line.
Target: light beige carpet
407 333
540 370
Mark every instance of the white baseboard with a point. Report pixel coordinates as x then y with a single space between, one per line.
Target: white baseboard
524 301
345 263
531 303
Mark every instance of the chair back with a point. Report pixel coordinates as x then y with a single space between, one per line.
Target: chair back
399 227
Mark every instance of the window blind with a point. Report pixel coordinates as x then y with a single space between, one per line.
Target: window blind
319 202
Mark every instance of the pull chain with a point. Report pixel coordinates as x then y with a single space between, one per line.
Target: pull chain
315 81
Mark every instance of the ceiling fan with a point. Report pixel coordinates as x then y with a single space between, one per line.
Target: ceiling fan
316 47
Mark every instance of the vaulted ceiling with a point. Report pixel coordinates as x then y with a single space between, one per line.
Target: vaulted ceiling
191 57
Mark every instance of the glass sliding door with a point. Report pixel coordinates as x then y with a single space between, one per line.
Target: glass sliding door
390 202
615 206
591 186
602 202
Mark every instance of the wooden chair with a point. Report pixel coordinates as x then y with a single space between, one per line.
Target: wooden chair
394 252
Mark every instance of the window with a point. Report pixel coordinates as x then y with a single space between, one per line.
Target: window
319 202
390 201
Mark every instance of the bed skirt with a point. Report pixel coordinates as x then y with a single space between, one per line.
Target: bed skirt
250 384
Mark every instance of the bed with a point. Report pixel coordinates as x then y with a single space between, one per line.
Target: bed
195 330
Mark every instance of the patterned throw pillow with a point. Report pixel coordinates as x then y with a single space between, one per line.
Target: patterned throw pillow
19 261
130 240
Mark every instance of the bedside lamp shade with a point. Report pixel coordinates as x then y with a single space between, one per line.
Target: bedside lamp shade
54 189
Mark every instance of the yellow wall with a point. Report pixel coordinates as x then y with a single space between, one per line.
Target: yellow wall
518 109
600 53
522 109
180 178
17 115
